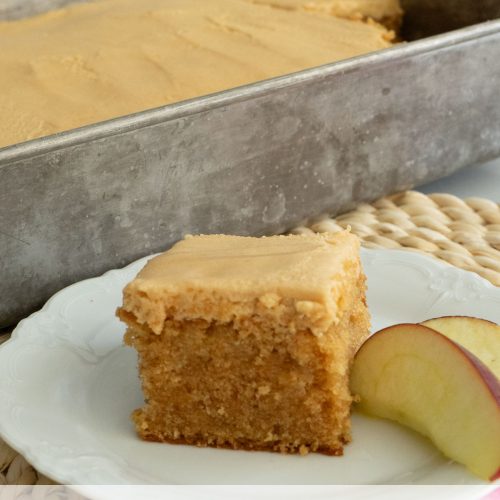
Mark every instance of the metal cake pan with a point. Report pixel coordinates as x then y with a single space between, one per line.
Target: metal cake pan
252 160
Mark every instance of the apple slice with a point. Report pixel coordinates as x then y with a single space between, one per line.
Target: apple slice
479 336
420 378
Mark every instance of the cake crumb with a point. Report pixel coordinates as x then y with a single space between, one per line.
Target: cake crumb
303 450
263 390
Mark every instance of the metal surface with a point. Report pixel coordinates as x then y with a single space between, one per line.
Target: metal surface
252 160
430 17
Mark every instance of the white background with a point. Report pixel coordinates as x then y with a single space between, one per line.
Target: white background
481 180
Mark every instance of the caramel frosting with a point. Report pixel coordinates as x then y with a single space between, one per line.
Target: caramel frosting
94 61
379 10
218 277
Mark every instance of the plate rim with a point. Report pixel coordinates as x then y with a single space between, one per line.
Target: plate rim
24 448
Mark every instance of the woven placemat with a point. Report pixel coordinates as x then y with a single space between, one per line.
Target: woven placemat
464 233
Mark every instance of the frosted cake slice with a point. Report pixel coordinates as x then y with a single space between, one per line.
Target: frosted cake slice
246 342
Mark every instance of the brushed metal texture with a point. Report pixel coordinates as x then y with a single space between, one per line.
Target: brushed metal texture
252 160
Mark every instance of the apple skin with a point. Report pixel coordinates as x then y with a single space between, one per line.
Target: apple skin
420 378
479 336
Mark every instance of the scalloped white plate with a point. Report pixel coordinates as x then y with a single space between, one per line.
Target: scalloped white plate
68 386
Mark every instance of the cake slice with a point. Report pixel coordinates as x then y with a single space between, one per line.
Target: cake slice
247 342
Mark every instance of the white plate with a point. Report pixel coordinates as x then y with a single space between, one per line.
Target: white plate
68 385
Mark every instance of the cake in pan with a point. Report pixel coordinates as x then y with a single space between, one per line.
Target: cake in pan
93 61
247 343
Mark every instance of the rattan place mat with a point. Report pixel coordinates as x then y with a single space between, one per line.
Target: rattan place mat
464 233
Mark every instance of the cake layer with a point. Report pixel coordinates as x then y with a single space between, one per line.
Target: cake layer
98 60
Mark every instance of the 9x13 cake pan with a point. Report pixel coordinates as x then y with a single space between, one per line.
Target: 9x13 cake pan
251 160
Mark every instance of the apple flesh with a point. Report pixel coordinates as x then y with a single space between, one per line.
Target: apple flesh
479 336
420 378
